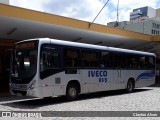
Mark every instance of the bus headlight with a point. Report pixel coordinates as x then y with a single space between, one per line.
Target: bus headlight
33 85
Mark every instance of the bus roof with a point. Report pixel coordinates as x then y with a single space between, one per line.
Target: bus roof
84 45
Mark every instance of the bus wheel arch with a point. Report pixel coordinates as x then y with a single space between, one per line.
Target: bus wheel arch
73 89
130 85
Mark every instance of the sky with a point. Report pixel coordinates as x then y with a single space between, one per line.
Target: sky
87 10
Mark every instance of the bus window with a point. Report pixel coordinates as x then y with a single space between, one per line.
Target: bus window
149 62
106 60
90 59
119 60
140 62
72 57
134 62
49 61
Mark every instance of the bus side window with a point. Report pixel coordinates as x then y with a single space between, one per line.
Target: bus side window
90 59
134 62
140 62
49 60
72 57
106 60
119 60
149 62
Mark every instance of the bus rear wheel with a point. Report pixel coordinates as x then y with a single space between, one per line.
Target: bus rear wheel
130 86
72 92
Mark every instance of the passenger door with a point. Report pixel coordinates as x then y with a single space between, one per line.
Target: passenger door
105 72
88 82
49 67
90 64
119 73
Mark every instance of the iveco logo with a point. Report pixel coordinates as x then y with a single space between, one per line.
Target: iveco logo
97 73
101 74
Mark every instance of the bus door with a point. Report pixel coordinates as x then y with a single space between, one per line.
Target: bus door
118 78
104 75
119 72
103 80
50 71
88 82
96 80
90 64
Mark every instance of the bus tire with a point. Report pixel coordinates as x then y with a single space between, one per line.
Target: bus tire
130 86
72 92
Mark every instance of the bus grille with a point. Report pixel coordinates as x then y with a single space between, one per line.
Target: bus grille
19 86
21 92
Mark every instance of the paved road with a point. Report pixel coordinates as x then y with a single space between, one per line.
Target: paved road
144 99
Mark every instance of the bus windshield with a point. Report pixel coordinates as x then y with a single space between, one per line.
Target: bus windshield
24 62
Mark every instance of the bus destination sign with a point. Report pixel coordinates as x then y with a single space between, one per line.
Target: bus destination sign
25 45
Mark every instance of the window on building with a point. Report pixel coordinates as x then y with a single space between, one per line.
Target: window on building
152 25
157 26
152 31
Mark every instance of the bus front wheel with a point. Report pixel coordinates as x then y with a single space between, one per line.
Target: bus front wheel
130 86
72 92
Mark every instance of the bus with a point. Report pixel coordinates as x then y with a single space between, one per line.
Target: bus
45 67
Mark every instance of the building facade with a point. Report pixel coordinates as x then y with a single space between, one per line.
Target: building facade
142 13
4 1
150 27
144 20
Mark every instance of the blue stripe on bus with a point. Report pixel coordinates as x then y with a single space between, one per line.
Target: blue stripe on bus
146 75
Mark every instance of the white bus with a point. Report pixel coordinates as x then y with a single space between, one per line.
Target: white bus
46 67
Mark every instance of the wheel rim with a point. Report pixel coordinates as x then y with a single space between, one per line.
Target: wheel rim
72 92
130 86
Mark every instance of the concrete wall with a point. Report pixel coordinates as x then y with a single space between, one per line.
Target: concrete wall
158 13
137 27
150 27
151 12
142 27
142 13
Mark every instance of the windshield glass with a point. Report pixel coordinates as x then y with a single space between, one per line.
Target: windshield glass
24 62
